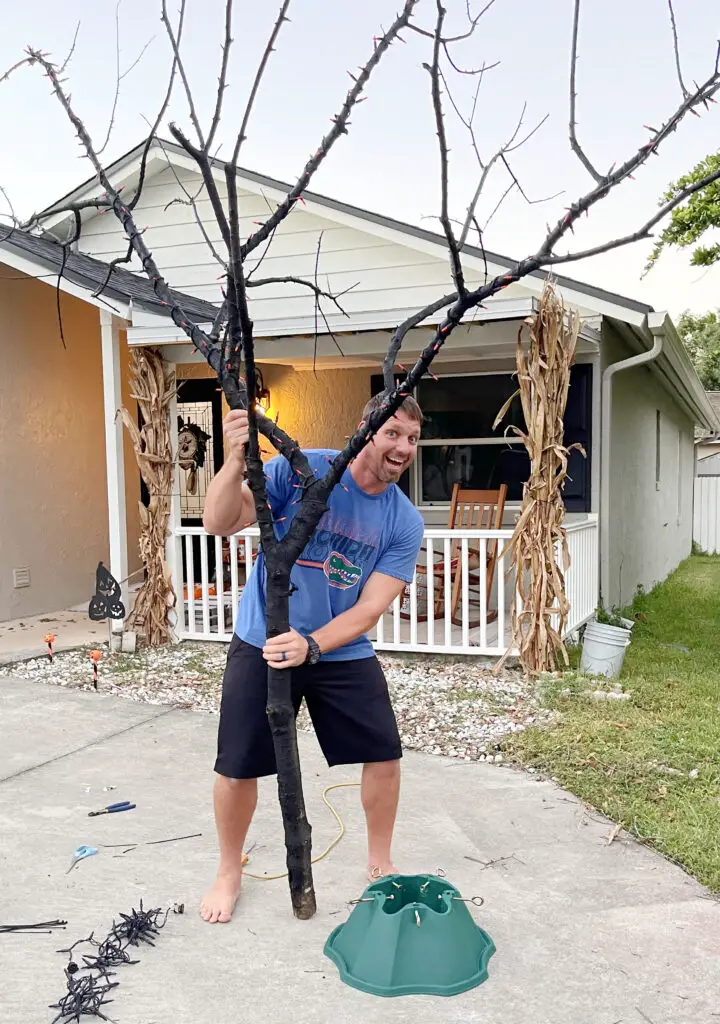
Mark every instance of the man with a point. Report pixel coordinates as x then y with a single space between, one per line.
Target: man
358 561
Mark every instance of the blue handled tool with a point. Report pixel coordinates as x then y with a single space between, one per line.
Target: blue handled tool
80 854
124 805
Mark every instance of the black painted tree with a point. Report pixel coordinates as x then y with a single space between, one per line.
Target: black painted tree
228 345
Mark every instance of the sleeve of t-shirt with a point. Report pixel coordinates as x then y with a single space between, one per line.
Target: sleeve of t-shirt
279 484
400 556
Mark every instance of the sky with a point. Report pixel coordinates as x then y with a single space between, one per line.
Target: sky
388 162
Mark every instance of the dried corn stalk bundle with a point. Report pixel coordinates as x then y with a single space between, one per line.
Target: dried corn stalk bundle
539 541
153 387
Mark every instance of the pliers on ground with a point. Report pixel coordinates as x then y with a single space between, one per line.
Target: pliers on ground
125 805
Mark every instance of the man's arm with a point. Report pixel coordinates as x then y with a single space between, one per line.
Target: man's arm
377 595
229 503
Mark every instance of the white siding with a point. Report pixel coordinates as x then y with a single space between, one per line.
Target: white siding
384 276
650 522
706 531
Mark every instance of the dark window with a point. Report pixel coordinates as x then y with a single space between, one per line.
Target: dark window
460 444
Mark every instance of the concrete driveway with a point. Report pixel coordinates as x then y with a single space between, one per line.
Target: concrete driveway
586 932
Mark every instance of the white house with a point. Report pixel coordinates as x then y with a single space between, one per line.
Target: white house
634 401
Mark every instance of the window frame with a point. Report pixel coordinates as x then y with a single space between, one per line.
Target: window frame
512 441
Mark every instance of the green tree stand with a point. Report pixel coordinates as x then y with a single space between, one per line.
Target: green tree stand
409 935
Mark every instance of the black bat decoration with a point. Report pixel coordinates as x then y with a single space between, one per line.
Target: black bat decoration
106 603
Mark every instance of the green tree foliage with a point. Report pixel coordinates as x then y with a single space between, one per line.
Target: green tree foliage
696 217
701 337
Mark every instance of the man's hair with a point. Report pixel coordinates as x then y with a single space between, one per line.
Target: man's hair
409 406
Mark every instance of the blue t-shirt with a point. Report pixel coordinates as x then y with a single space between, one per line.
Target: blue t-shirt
359 534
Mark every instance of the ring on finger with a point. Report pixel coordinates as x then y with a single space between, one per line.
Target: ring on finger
283 656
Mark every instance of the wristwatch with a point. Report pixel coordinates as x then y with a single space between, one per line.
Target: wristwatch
314 652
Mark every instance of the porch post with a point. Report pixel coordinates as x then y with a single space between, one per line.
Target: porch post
114 459
173 544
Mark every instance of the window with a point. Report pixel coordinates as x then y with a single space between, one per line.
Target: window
459 444
657 449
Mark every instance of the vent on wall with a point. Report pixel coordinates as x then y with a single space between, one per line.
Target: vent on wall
21 577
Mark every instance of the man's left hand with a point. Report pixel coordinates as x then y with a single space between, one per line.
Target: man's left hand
293 645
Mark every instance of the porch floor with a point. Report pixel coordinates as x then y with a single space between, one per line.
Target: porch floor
456 633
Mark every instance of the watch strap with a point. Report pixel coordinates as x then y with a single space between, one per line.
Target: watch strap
314 653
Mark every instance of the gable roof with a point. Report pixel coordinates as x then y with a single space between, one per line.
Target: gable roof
90 274
713 398
128 165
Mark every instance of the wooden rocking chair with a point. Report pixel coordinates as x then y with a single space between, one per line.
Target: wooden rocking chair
469 510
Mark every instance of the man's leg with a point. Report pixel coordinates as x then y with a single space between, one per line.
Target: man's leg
235 801
380 792
245 752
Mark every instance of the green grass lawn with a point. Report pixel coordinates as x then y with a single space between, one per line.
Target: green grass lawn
651 763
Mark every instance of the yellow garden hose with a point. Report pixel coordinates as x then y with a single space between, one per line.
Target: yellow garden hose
331 846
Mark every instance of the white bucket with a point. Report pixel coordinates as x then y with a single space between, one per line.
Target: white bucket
604 649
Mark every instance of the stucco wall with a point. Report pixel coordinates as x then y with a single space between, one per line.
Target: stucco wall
318 409
53 499
650 523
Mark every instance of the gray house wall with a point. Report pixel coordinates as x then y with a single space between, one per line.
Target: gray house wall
650 512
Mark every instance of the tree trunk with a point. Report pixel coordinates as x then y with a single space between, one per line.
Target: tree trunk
281 716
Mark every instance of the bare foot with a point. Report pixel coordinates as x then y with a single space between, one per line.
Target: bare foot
376 871
218 905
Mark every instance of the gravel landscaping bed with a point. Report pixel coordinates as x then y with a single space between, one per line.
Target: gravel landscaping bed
456 708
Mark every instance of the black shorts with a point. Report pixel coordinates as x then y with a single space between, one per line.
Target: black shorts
348 702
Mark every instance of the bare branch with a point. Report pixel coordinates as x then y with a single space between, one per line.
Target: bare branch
200 156
642 232
175 43
122 211
72 50
98 203
222 80
464 35
161 114
676 48
340 126
575 145
453 246
400 332
119 75
111 266
258 78
191 201
26 61
61 272
319 292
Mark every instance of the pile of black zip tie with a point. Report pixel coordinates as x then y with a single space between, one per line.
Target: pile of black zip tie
89 983
41 928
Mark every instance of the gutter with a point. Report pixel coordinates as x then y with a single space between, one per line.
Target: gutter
657 330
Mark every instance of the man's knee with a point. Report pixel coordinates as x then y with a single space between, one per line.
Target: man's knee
385 769
236 785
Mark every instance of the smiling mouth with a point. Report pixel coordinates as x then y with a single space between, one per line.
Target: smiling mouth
395 463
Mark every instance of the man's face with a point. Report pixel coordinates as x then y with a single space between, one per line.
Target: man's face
393 448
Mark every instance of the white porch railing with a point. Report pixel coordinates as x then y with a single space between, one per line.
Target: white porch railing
421 620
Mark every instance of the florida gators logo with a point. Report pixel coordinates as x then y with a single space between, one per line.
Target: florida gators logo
340 572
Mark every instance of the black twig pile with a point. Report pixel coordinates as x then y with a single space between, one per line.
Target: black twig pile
89 983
